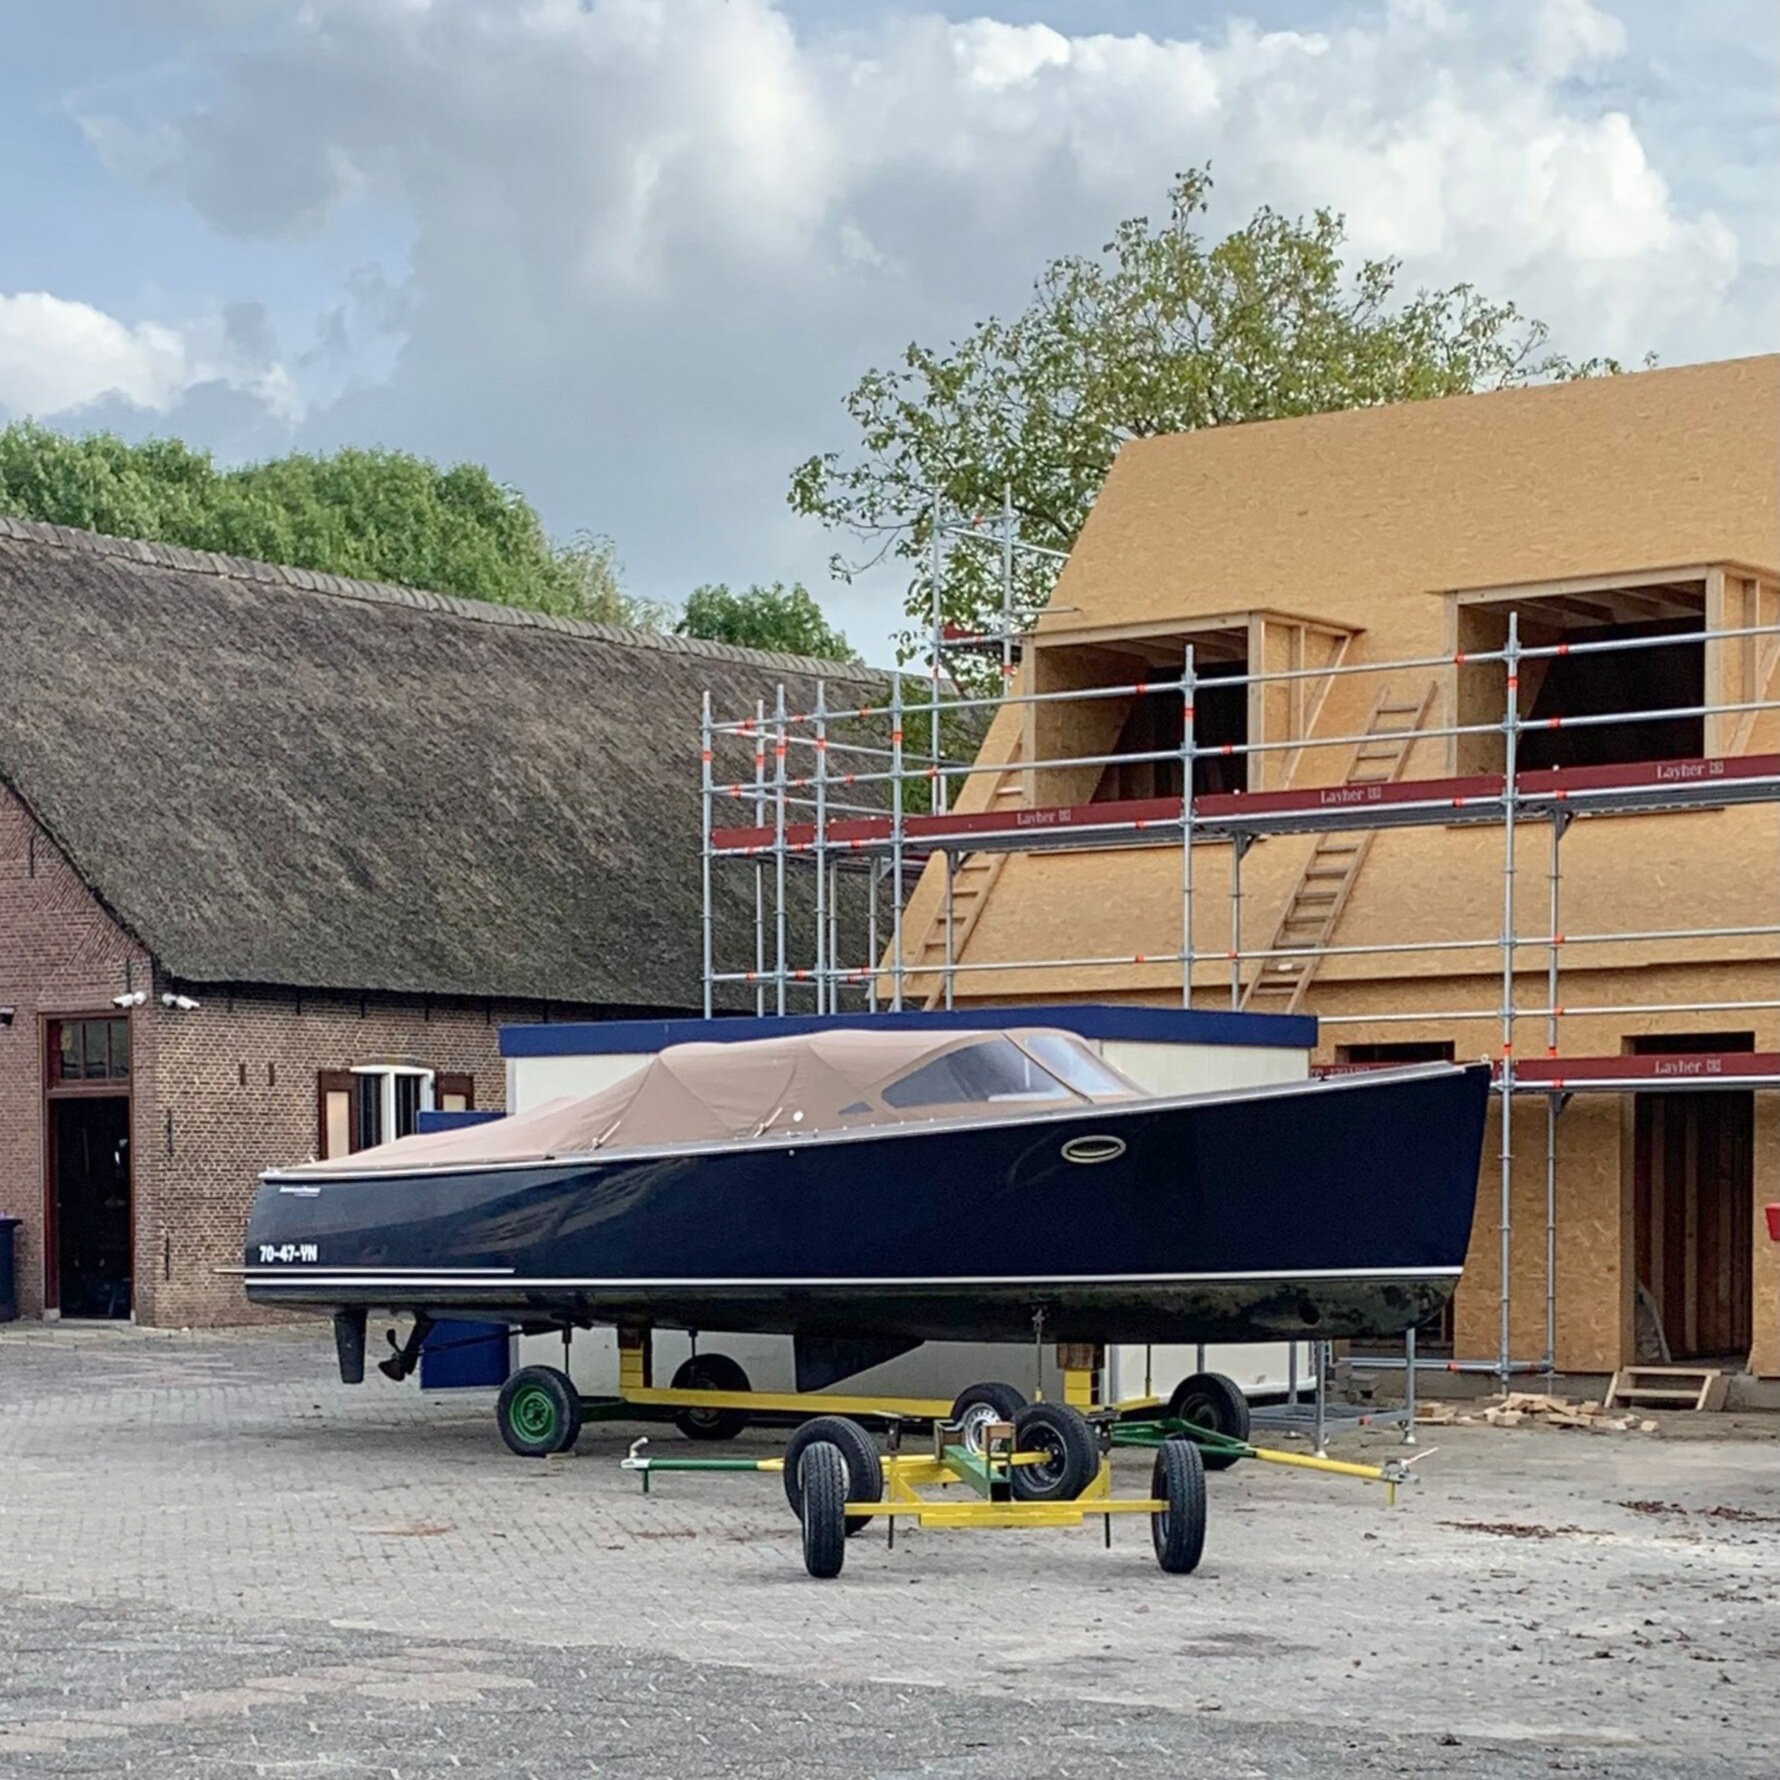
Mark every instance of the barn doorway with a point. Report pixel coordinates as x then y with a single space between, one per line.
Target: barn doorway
1693 1209
88 1223
90 1157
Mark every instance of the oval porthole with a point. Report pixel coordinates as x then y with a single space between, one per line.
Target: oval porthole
1093 1149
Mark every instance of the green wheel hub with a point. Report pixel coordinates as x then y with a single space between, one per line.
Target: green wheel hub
534 1417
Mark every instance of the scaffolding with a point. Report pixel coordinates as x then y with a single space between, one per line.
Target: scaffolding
831 822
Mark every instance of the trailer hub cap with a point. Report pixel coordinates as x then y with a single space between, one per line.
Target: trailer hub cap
534 1415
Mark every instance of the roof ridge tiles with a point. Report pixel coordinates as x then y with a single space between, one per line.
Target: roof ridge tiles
288 575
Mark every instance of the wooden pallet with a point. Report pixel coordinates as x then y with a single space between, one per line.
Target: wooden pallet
1675 1387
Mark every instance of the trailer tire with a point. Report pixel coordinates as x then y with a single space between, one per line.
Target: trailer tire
822 1482
979 1404
538 1412
710 1372
1073 1454
1212 1401
1178 1532
865 1470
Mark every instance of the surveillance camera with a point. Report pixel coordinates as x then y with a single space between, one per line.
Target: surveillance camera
130 998
184 1003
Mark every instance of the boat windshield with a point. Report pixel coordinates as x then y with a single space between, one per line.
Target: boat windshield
1076 1064
995 1070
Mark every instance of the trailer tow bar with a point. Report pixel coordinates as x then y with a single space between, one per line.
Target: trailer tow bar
1392 1473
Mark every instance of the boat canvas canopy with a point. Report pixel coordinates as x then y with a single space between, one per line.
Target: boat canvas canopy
726 1093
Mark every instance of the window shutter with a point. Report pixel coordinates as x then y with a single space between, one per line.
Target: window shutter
454 1093
334 1094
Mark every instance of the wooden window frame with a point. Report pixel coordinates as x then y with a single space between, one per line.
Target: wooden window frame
53 1080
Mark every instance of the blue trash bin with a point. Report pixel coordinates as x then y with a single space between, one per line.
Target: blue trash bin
9 1283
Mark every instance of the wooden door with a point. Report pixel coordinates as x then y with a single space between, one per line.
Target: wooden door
1694 1187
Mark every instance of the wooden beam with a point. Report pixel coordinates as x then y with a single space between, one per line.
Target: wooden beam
1658 603
1510 594
1591 611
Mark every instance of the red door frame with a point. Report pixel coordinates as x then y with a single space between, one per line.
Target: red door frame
112 1088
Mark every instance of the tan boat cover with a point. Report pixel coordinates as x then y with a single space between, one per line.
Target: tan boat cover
712 1092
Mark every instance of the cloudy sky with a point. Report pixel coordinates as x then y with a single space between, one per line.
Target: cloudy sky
633 253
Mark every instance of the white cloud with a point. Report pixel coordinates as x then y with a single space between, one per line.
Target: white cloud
1568 34
58 356
655 241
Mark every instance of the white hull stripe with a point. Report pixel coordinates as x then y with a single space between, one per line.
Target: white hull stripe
447 1279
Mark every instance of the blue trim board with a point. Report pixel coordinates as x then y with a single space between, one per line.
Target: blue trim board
1100 1020
450 1121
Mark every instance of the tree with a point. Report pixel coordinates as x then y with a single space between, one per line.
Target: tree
775 617
1160 333
592 587
377 515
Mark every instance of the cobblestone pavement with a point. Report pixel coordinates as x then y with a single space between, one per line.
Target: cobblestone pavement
214 1558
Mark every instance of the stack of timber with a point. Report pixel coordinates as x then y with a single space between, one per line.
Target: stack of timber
1531 1406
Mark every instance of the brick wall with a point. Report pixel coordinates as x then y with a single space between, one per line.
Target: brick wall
236 1092
217 1093
60 953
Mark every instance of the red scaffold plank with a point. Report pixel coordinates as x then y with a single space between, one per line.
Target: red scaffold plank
1471 792
1700 1066
1136 814
1646 775
1473 788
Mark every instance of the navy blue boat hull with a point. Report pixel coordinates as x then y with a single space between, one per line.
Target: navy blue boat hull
1330 1209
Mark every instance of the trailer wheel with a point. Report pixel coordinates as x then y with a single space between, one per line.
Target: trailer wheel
822 1480
710 1372
539 1412
1178 1532
865 1470
1071 1455
1210 1400
973 1409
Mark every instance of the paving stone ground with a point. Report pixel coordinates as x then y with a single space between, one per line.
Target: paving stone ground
216 1559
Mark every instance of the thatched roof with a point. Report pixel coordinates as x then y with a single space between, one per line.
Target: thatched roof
276 776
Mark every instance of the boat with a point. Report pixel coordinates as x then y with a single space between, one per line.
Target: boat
868 1190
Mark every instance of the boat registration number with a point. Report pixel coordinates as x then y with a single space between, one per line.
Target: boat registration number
288 1251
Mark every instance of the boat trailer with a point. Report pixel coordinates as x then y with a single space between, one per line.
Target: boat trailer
540 1412
1049 1466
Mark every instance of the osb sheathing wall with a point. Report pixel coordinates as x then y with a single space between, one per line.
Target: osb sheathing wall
1379 521
1368 517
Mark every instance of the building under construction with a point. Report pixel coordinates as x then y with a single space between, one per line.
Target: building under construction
1455 724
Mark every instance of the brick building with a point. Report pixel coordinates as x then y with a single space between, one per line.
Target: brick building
279 855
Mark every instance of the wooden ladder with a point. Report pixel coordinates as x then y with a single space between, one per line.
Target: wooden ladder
1327 880
972 880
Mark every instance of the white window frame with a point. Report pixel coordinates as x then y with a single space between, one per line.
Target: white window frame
386 1093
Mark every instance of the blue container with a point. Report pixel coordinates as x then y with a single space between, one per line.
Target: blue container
462 1355
9 1285
459 1355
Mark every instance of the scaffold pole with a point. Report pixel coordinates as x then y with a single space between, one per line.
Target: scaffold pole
1510 798
1187 755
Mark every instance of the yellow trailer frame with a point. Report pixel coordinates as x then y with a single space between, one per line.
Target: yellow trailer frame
637 1389
907 1474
